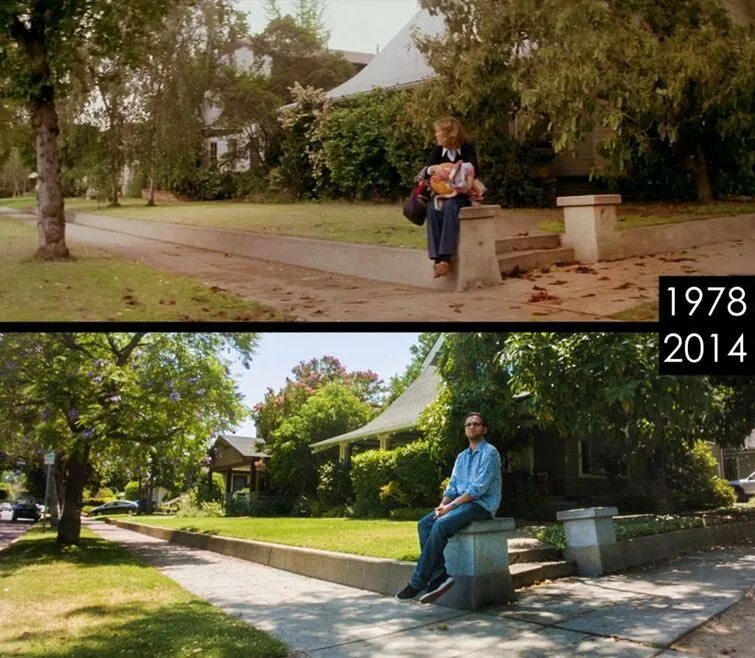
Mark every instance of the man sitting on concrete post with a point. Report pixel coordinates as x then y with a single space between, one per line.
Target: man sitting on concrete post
473 494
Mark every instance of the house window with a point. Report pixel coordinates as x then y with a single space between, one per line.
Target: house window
239 482
213 153
592 461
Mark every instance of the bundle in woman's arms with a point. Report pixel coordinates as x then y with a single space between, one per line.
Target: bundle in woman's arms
451 178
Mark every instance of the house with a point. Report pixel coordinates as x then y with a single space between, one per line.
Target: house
738 463
400 65
222 147
563 469
242 461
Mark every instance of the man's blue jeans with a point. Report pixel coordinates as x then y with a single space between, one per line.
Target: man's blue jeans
434 533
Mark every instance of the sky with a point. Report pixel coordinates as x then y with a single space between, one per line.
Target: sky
360 25
386 354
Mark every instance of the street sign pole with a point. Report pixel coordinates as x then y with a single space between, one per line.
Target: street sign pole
49 463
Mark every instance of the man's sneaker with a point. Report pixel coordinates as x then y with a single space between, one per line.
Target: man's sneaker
437 588
408 593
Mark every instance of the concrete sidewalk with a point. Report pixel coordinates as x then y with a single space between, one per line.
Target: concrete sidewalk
638 613
563 293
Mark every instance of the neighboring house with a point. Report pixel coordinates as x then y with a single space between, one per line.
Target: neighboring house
242 461
222 147
739 462
397 424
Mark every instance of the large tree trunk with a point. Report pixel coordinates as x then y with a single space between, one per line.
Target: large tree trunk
51 222
702 181
69 527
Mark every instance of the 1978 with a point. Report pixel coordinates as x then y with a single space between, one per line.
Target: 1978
734 302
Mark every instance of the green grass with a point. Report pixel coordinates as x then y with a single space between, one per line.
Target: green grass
95 286
639 215
396 540
18 202
96 600
363 223
645 312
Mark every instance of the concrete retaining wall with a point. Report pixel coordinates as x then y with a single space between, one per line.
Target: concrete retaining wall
672 237
369 573
641 550
390 264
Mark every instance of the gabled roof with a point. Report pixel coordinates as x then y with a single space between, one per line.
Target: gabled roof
246 446
403 412
398 65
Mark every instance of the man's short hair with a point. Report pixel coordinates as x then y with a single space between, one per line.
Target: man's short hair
476 413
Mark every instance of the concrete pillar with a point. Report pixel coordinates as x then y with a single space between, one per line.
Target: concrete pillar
478 559
590 539
591 224
476 260
385 442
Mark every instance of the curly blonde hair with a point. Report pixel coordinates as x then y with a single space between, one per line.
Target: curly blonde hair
452 132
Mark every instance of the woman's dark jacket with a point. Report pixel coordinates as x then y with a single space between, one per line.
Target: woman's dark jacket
467 153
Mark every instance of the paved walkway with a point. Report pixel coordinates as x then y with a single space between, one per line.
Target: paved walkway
12 530
635 614
566 293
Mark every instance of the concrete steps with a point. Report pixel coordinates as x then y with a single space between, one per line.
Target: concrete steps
521 261
529 573
527 243
531 561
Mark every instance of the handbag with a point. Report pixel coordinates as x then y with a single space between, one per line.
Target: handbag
415 207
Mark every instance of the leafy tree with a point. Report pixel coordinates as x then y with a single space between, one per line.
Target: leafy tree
473 379
42 44
332 410
296 52
102 397
605 387
308 378
669 76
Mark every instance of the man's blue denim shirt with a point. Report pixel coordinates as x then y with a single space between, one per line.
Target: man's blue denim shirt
478 474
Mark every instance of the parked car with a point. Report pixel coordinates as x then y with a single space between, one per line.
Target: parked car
744 488
116 507
26 509
6 511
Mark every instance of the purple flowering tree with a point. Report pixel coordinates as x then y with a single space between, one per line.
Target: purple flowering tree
116 398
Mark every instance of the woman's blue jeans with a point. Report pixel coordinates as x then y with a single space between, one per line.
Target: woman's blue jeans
443 227
434 533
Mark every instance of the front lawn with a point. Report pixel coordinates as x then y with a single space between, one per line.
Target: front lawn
396 540
96 600
638 215
95 286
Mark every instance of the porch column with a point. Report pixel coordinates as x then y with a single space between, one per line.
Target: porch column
385 440
344 451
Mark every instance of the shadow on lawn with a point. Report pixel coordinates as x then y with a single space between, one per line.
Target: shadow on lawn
140 630
38 547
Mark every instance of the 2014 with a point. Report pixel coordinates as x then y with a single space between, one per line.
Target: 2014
693 348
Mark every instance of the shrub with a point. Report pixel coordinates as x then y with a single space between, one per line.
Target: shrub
695 483
334 483
417 474
132 491
207 184
100 497
204 491
202 510
369 472
408 513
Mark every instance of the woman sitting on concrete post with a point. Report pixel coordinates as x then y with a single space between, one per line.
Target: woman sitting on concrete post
450 188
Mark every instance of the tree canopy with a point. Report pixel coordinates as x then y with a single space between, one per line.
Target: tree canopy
100 398
648 77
